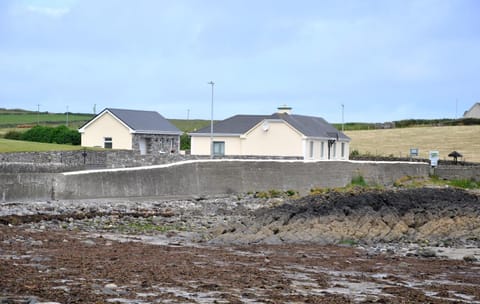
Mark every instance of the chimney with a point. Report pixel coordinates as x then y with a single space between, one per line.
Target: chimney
284 109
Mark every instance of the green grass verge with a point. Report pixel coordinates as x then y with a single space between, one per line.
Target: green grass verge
7 145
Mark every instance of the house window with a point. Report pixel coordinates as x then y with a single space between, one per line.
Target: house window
322 150
107 142
343 150
219 148
311 149
334 150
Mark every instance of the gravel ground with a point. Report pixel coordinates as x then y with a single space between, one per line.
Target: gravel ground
162 251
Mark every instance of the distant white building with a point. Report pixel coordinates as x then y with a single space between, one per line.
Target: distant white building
474 111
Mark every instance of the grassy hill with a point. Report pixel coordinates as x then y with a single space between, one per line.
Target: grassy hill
397 142
15 118
190 125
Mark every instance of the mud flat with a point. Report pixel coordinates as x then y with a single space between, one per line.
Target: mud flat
329 248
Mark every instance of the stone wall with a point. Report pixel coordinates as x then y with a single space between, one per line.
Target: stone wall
157 143
458 172
60 161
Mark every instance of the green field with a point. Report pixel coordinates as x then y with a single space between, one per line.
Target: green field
190 125
12 120
7 145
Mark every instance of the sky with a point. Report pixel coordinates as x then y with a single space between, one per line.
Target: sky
368 60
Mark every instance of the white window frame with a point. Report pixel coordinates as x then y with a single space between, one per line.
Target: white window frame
107 141
221 145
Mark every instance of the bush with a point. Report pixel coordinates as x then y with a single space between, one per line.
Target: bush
354 153
358 181
185 142
58 135
15 135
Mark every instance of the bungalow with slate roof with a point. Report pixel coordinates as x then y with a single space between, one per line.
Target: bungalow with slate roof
281 134
147 132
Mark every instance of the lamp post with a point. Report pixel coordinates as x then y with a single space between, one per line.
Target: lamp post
211 122
38 114
343 122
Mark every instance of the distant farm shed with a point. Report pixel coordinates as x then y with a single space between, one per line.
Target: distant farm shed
474 111
146 132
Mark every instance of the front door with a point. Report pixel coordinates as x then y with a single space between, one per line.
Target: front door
142 144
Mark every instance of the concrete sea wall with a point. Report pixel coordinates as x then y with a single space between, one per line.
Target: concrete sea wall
223 176
201 177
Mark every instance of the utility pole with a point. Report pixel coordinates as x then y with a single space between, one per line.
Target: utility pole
67 116
211 121
456 108
38 114
343 121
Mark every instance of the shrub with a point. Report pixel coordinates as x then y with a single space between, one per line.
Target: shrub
58 135
15 135
185 142
354 153
291 193
358 181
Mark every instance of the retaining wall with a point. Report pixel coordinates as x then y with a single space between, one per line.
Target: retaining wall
458 172
27 186
201 177
221 176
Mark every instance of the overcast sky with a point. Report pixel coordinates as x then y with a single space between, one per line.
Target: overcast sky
383 60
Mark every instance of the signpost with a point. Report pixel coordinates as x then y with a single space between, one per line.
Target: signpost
434 157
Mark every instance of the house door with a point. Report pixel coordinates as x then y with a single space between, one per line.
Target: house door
142 144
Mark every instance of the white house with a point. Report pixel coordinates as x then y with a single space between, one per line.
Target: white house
143 131
281 134
474 111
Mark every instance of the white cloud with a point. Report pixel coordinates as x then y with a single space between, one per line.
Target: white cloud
54 12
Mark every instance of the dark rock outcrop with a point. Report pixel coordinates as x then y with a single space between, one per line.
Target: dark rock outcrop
426 214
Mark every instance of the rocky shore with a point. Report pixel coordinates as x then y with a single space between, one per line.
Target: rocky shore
361 246
437 216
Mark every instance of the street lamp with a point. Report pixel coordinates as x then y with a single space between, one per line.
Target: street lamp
211 122
38 114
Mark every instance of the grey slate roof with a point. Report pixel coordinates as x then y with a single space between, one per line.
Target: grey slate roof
144 121
309 126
